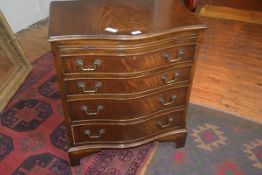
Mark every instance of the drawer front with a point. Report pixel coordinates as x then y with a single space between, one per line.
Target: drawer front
122 64
101 133
124 109
132 85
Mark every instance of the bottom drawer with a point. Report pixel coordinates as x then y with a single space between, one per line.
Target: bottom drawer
121 133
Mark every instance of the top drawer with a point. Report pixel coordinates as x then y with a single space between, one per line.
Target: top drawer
125 64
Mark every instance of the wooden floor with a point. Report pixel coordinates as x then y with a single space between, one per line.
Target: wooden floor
5 65
229 69
34 40
254 5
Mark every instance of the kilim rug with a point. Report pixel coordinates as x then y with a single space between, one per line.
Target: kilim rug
33 135
217 144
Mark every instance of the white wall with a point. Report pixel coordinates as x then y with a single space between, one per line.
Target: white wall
20 14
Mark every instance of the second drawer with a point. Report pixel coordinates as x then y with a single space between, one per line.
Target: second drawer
127 85
126 108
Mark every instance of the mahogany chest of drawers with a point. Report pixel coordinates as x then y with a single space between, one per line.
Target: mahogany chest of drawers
125 71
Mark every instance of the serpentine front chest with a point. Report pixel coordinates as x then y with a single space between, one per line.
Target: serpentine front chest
125 71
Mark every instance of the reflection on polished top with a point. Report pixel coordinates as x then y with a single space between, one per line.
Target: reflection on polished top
118 19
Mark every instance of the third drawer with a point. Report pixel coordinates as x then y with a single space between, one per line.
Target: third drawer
126 108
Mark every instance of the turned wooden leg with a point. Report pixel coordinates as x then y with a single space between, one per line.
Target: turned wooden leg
76 155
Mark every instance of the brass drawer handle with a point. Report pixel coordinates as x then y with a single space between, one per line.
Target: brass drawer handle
91 112
82 86
168 103
165 79
170 121
80 64
96 135
180 54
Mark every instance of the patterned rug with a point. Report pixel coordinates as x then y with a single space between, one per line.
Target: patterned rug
33 140
217 144
33 134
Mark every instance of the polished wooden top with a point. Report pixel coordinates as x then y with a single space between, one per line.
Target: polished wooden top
118 19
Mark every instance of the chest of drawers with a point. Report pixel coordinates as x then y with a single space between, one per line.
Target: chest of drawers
125 71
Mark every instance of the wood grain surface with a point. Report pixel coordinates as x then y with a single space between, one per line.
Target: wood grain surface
229 70
231 14
150 17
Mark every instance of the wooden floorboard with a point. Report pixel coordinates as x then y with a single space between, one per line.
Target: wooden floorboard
34 40
231 14
229 69
254 5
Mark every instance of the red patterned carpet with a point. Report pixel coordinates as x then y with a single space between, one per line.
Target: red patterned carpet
33 139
